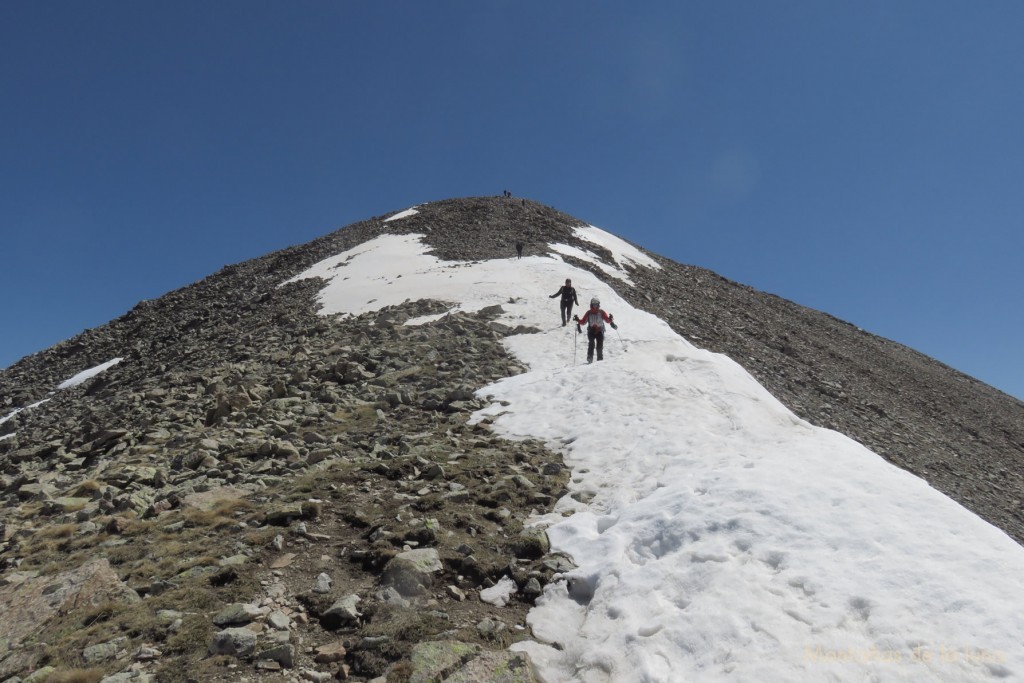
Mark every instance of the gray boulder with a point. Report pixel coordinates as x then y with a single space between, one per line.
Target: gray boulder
412 573
342 613
240 642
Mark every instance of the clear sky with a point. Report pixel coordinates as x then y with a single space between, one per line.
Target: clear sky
865 159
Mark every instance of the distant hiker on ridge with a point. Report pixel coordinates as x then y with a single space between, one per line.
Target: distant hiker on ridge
595 319
568 293
519 249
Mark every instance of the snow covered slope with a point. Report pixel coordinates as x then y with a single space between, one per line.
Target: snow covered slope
717 536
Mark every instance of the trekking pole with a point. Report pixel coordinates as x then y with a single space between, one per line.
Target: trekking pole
575 344
624 349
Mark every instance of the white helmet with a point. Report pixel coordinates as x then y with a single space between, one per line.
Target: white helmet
595 302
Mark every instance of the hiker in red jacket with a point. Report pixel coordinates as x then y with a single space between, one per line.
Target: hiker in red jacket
595 319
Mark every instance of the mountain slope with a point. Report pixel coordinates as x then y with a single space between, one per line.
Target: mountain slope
700 510
212 371
959 434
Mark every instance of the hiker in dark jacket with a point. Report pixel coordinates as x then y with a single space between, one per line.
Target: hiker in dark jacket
595 319
568 294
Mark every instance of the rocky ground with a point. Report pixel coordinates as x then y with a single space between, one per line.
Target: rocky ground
305 500
260 493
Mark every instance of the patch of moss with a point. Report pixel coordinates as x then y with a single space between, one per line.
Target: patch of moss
402 629
191 637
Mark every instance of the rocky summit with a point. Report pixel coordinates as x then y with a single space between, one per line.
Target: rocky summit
255 491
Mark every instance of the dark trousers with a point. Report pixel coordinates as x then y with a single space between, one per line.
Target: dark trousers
595 336
566 312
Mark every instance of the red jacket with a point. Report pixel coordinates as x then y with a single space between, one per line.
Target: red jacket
594 319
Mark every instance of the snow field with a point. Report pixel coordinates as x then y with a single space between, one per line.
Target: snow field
717 536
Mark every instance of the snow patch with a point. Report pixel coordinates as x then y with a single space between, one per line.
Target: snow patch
14 412
393 269
86 375
402 214
622 251
500 593
70 382
567 250
624 254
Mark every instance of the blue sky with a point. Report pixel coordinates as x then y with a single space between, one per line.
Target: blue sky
865 159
